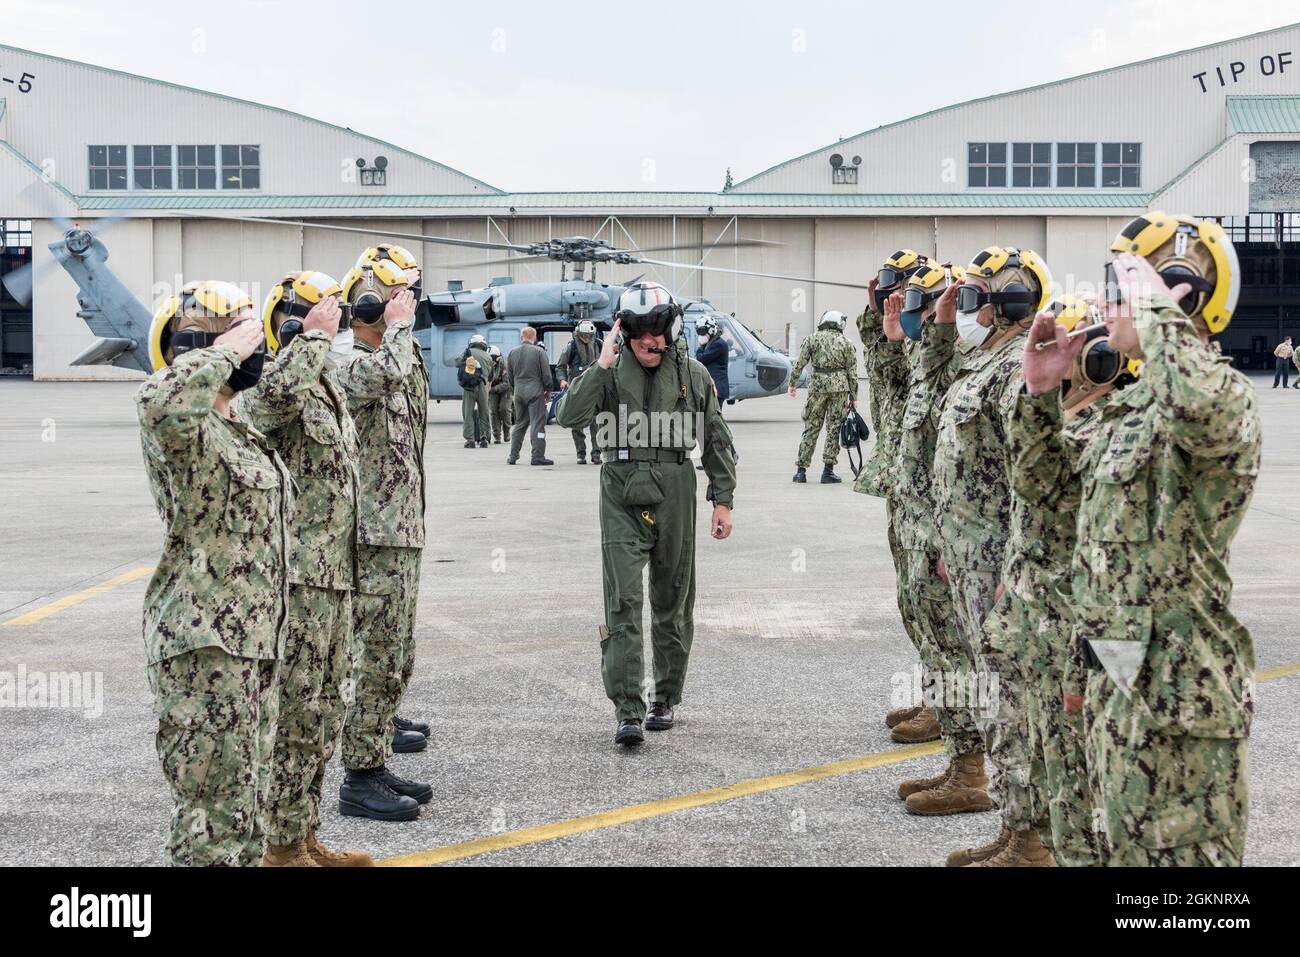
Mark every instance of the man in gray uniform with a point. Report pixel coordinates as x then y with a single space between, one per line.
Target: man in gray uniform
529 370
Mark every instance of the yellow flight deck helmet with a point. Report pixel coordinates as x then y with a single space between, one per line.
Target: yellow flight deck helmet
895 271
922 293
1097 366
400 255
289 302
1185 250
1020 284
368 287
201 311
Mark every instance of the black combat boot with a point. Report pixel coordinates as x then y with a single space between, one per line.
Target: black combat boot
541 462
406 724
660 717
800 474
629 732
422 793
595 453
828 475
582 460
511 459
470 443
483 443
408 742
364 794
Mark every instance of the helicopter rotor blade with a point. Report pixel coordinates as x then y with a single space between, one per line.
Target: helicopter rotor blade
760 275
692 247
410 237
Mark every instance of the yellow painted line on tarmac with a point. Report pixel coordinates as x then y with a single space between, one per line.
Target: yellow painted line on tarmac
76 598
640 812
684 802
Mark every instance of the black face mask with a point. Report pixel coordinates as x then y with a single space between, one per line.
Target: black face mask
246 373
882 295
368 308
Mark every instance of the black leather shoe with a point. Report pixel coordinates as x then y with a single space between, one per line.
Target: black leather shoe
422 793
582 460
595 456
470 443
406 724
829 477
800 475
629 732
364 794
511 459
541 462
660 717
408 742
483 443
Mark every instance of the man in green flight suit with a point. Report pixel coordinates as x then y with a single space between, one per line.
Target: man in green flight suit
652 404
474 373
578 355
832 390
1166 483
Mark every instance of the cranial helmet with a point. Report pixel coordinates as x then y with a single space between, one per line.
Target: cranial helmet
368 287
290 300
832 319
391 252
586 329
647 307
1098 366
1186 250
921 295
707 326
479 340
895 271
1019 285
193 319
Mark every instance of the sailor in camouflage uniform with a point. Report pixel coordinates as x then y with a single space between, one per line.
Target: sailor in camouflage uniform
214 609
304 415
833 389
1045 457
388 395
1167 480
1003 290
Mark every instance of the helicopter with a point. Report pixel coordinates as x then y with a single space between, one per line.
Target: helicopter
445 320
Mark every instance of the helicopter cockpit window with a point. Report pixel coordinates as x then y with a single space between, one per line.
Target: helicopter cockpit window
738 338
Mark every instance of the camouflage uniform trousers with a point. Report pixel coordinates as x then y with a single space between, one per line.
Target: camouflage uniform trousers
383 628
502 415
1060 769
315 691
1000 716
944 654
216 730
1164 800
827 408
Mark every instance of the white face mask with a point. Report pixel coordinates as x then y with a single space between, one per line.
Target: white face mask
969 328
341 345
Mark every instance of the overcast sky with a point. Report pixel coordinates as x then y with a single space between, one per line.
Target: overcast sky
660 95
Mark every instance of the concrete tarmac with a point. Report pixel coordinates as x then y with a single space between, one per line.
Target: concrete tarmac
798 648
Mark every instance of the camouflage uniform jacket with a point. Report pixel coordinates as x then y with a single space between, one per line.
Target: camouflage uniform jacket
679 384
834 362
305 417
1166 483
225 499
937 360
388 396
971 474
888 366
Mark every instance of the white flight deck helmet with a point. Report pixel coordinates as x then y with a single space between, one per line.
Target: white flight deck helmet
649 307
831 319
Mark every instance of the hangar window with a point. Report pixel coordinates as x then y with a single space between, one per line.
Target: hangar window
151 167
1076 164
15 232
986 164
241 167
1031 165
196 167
107 167
1121 165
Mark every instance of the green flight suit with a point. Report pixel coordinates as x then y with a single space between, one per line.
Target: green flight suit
388 396
647 424
214 610
475 409
1166 483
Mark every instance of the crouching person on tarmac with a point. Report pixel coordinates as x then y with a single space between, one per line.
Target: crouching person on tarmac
652 403
214 609
303 412
388 395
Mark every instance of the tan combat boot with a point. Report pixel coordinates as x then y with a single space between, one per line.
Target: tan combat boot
899 715
970 855
324 857
1022 849
287 855
916 785
964 791
924 726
